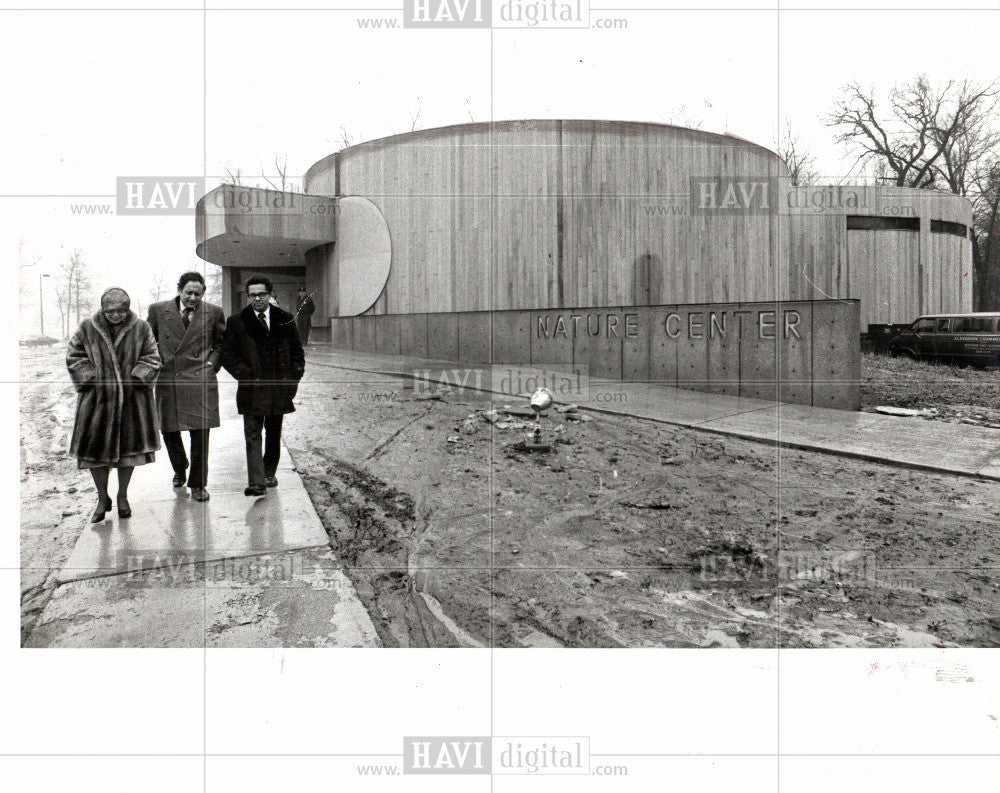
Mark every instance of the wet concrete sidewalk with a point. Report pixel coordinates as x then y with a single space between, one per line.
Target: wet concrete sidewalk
906 441
231 571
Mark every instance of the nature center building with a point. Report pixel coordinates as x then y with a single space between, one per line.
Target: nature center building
500 221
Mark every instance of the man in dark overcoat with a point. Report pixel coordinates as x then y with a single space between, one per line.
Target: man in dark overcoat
189 335
261 349
303 315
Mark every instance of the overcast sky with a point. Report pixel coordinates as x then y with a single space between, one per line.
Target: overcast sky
95 95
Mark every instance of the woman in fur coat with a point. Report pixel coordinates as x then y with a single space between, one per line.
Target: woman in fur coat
113 362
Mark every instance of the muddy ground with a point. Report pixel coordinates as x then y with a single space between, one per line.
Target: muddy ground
627 533
55 495
942 392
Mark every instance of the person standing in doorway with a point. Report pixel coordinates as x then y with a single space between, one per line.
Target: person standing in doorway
261 349
188 335
303 315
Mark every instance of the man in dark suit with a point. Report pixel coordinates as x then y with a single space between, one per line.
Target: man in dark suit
188 333
303 315
261 349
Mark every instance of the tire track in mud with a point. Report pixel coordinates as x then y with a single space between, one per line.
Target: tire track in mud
373 527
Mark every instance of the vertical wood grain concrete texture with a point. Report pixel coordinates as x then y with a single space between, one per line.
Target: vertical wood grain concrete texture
442 337
474 337
663 357
554 345
598 354
340 333
802 352
511 337
722 333
836 361
387 334
545 214
413 335
692 349
758 356
635 349
795 374
363 328
577 208
897 274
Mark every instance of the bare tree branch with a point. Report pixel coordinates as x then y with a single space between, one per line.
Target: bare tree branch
796 157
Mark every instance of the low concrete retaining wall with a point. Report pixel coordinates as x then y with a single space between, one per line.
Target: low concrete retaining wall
802 352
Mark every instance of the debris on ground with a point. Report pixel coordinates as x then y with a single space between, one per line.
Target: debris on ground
942 392
889 410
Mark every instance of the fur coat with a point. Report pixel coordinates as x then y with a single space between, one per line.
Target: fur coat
113 375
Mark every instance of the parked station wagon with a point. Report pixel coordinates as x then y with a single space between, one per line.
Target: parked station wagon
956 338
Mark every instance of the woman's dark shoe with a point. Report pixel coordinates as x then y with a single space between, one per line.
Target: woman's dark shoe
124 509
102 508
179 480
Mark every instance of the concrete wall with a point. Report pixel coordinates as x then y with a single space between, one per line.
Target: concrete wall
802 352
543 214
897 273
551 214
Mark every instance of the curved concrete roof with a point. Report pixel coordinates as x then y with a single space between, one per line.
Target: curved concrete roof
513 125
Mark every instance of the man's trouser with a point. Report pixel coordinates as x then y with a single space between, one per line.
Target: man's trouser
303 326
198 478
262 465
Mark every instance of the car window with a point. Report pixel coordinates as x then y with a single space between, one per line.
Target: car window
983 324
961 325
923 325
942 325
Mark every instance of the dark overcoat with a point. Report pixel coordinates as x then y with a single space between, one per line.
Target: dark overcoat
267 364
115 408
303 315
187 391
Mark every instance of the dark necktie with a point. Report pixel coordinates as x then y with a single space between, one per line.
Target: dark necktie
186 314
263 320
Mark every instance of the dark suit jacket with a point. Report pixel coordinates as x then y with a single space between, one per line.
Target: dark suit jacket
268 365
303 316
187 392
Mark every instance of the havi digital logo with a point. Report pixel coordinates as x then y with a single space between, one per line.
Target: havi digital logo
436 754
447 13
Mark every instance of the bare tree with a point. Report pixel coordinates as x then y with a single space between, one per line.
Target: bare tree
73 291
798 159
946 137
23 263
926 135
158 286
235 175
986 238
415 115
281 171
345 137
682 117
213 284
